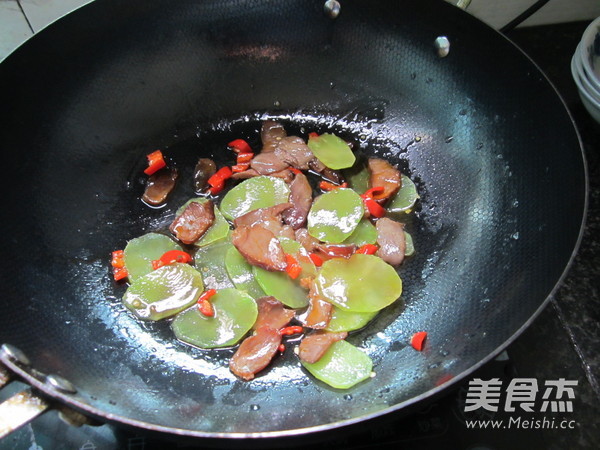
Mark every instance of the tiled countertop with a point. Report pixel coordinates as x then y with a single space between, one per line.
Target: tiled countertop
21 19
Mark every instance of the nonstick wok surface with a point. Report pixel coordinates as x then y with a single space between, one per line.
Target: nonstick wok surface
485 136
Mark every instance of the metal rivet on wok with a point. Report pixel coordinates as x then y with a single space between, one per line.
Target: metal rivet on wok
442 45
60 384
15 355
332 8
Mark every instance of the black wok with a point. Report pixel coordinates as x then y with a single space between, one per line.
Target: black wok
484 134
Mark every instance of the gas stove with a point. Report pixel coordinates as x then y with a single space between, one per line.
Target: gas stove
563 343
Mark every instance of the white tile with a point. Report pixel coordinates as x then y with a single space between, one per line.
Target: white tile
13 27
43 12
499 13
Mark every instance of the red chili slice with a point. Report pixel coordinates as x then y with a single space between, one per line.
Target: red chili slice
217 181
170 257
327 186
245 157
240 167
120 273
418 340
373 192
293 268
216 189
155 162
207 294
117 260
316 259
374 208
206 308
204 305
367 249
288 331
240 146
220 176
118 263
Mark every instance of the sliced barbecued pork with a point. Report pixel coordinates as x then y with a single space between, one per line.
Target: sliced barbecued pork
159 185
260 247
391 241
294 151
192 223
250 173
319 310
286 175
272 313
307 241
328 174
383 174
336 251
280 151
301 200
313 347
269 218
271 133
205 168
261 215
255 353
268 163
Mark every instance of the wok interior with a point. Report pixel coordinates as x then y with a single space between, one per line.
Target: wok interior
482 133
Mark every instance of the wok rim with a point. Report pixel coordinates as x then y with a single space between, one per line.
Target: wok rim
117 419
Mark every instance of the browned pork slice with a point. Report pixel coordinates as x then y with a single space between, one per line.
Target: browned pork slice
255 353
301 200
328 174
269 218
271 133
336 251
272 313
250 173
268 163
332 175
294 151
261 215
385 175
159 186
306 240
193 222
313 347
286 175
319 310
317 166
391 241
260 247
205 168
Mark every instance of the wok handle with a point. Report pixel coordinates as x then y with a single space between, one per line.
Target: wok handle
23 407
19 410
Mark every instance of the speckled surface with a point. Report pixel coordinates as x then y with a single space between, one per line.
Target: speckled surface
575 310
577 303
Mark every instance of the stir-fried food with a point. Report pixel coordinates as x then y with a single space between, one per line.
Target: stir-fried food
296 245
